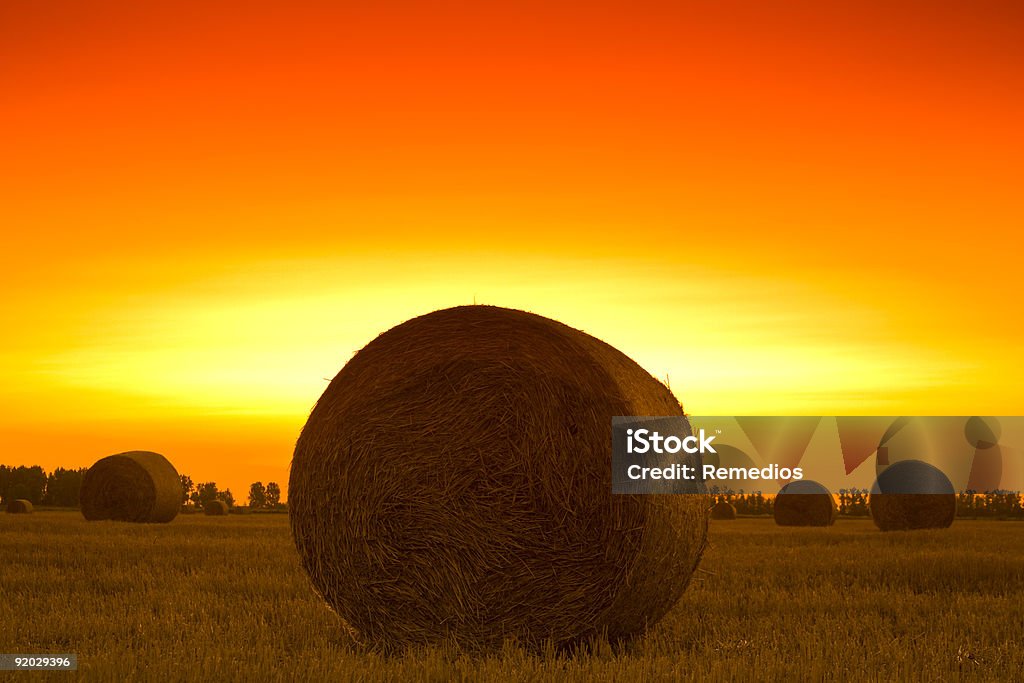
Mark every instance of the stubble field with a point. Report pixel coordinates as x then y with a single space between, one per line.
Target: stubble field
225 599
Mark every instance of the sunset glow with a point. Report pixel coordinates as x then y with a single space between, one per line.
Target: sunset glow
207 212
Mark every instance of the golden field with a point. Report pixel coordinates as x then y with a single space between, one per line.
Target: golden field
225 599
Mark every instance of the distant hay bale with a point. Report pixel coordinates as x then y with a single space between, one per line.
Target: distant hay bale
805 503
912 494
20 507
723 510
453 484
137 486
215 508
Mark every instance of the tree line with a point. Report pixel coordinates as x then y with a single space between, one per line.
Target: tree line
201 495
854 503
998 505
260 497
61 488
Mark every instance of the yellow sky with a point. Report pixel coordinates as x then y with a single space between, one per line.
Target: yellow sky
221 365
261 337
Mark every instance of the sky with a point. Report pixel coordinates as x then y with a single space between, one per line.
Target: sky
207 208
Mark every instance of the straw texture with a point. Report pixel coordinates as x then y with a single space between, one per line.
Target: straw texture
453 483
137 486
805 503
215 508
20 507
911 494
723 510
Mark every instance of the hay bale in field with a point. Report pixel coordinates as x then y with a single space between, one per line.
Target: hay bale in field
215 508
912 494
453 483
20 507
137 486
805 503
723 510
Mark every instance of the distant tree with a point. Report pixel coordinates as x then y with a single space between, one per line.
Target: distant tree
187 488
853 502
205 493
63 487
997 504
763 505
5 481
749 503
25 482
257 495
273 495
963 504
227 497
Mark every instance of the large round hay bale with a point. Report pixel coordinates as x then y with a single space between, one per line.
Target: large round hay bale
805 503
912 494
215 508
453 483
19 507
137 486
723 510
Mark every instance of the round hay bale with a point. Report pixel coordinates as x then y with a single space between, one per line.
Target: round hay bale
453 484
723 510
912 494
215 508
805 503
137 486
19 507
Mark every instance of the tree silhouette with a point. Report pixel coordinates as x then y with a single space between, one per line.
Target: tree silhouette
63 487
23 482
257 495
206 493
187 488
273 495
226 496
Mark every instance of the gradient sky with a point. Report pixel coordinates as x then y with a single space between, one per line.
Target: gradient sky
206 210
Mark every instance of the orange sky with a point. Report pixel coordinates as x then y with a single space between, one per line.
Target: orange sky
784 210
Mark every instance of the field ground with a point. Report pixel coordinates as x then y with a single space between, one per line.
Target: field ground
212 599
